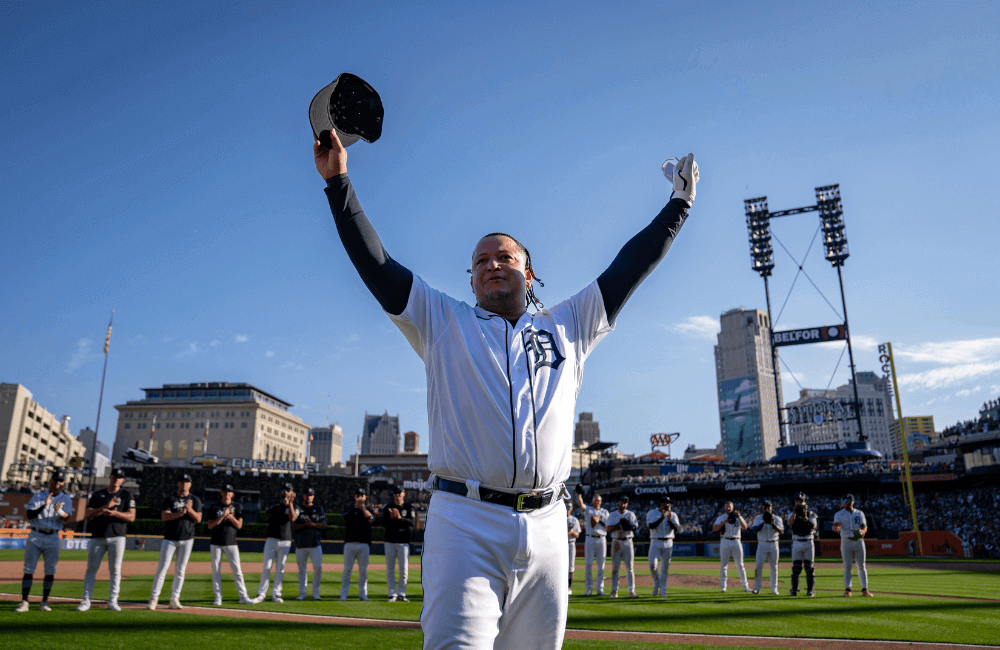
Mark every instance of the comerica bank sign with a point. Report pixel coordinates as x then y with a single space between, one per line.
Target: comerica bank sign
213 461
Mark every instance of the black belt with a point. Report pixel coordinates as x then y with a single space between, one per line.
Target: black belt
597 536
730 538
44 531
664 539
802 539
521 502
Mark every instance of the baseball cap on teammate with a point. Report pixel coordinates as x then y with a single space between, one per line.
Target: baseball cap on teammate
186 478
848 498
287 487
227 488
801 496
117 471
350 107
311 491
397 490
360 492
58 475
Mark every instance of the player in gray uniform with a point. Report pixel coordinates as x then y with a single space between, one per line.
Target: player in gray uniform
573 531
663 524
622 524
768 527
804 524
595 548
730 526
111 509
307 531
47 511
224 521
501 394
852 526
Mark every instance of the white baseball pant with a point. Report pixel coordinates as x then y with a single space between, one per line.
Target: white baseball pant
46 546
167 549
625 553
802 551
359 552
303 557
275 554
115 548
595 549
493 578
232 554
660 553
397 553
572 555
732 548
766 552
853 551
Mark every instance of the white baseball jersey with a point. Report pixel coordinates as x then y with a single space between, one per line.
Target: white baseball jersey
616 517
501 398
599 529
768 532
731 531
663 531
850 522
49 518
572 526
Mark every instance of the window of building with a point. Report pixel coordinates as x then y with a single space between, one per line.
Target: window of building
243 425
168 449
152 447
196 448
182 449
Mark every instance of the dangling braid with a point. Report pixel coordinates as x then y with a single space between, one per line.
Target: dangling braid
530 298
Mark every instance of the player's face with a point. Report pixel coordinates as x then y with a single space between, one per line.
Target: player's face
596 501
55 486
226 497
498 273
398 498
183 487
359 500
308 499
622 505
729 507
115 483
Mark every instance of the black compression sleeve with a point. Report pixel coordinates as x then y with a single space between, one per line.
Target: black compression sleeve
388 280
640 256
657 522
34 513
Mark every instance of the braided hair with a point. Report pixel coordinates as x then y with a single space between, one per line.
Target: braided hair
529 298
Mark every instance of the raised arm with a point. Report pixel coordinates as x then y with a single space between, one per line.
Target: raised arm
642 253
388 280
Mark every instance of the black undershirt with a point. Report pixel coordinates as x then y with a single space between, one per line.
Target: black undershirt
390 282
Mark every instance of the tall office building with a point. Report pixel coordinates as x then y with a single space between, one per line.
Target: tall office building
919 431
327 444
745 378
825 416
587 431
380 434
32 440
102 455
411 442
242 422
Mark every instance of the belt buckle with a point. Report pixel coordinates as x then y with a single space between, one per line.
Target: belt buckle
519 504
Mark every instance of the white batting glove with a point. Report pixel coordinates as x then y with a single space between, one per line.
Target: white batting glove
685 179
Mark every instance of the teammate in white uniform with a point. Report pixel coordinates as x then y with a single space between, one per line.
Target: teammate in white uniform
804 525
663 524
730 526
111 510
595 547
622 524
852 526
47 510
501 398
573 531
768 527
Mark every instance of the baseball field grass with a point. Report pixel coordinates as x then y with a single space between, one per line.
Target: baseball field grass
941 602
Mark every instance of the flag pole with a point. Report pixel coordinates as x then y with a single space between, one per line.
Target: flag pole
100 401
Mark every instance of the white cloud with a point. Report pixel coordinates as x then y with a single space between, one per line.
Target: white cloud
863 342
291 365
952 352
269 354
947 376
242 338
82 355
968 391
168 339
703 328
214 342
189 350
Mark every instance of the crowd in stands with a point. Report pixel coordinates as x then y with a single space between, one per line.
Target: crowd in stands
988 420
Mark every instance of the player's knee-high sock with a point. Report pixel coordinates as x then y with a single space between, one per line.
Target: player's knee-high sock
571 581
810 575
796 570
47 587
26 585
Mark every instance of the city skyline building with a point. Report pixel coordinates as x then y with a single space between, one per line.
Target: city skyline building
586 432
102 457
746 381
242 421
380 435
327 446
32 439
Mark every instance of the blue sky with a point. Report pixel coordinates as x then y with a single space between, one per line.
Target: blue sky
157 161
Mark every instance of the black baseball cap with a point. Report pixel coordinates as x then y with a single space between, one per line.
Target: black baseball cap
801 496
311 491
58 475
360 492
767 503
287 487
185 477
623 497
227 488
117 471
849 498
666 500
350 107
398 489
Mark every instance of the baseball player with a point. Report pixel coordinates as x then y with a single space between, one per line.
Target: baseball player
398 522
278 544
852 526
47 510
357 541
730 526
804 525
225 519
180 512
595 548
622 524
111 509
308 533
768 527
501 394
573 531
663 525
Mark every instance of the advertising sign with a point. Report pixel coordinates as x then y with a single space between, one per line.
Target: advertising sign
810 335
739 412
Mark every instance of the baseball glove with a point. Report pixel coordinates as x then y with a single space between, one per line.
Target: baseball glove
732 517
768 518
857 535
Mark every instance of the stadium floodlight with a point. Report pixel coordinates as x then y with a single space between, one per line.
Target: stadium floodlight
759 233
832 215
